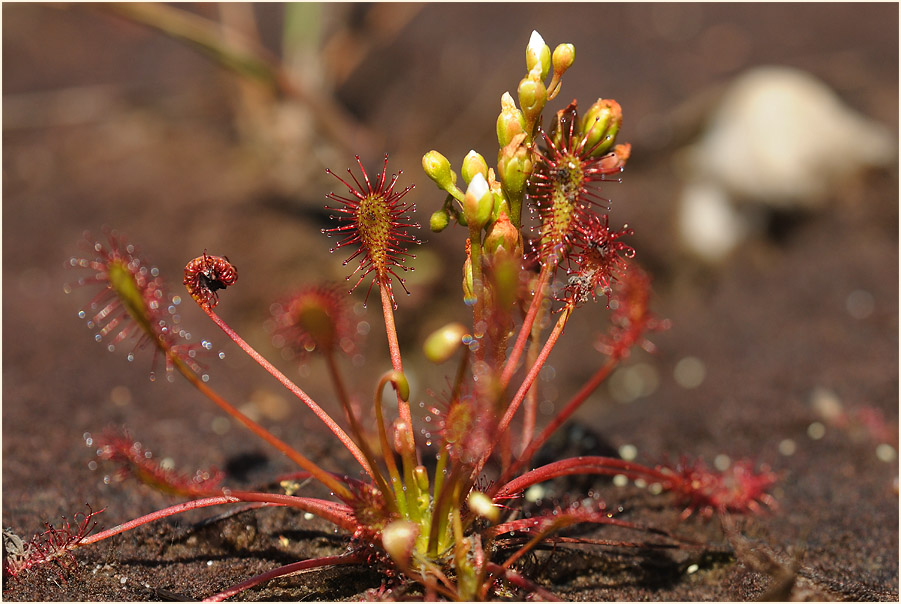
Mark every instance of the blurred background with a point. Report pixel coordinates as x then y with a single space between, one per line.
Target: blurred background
762 188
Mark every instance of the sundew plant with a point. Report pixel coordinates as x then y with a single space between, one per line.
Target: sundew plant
443 515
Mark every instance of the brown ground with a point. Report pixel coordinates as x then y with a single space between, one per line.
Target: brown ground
109 123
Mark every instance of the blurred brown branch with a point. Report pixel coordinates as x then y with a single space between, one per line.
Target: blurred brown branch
244 55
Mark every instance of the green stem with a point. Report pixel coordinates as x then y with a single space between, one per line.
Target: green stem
387 451
478 289
443 504
403 407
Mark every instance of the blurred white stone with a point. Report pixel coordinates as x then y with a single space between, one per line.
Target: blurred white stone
781 139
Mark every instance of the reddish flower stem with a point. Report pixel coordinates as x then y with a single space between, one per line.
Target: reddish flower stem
610 466
574 403
351 558
321 475
531 403
293 388
335 513
403 408
526 329
526 384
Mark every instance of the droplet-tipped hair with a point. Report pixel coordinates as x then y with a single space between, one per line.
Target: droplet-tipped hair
375 218
563 187
133 302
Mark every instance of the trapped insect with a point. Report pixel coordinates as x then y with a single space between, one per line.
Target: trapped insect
206 274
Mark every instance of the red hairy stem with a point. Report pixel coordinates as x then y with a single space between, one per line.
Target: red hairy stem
531 403
540 528
170 511
335 513
526 328
610 466
350 558
575 402
318 473
294 389
403 407
526 384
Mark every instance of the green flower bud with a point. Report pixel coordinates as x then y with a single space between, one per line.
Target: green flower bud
481 505
403 441
421 474
469 296
532 99
399 539
444 342
515 167
563 58
478 203
538 56
439 221
600 126
437 167
474 164
510 122
401 385
503 237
